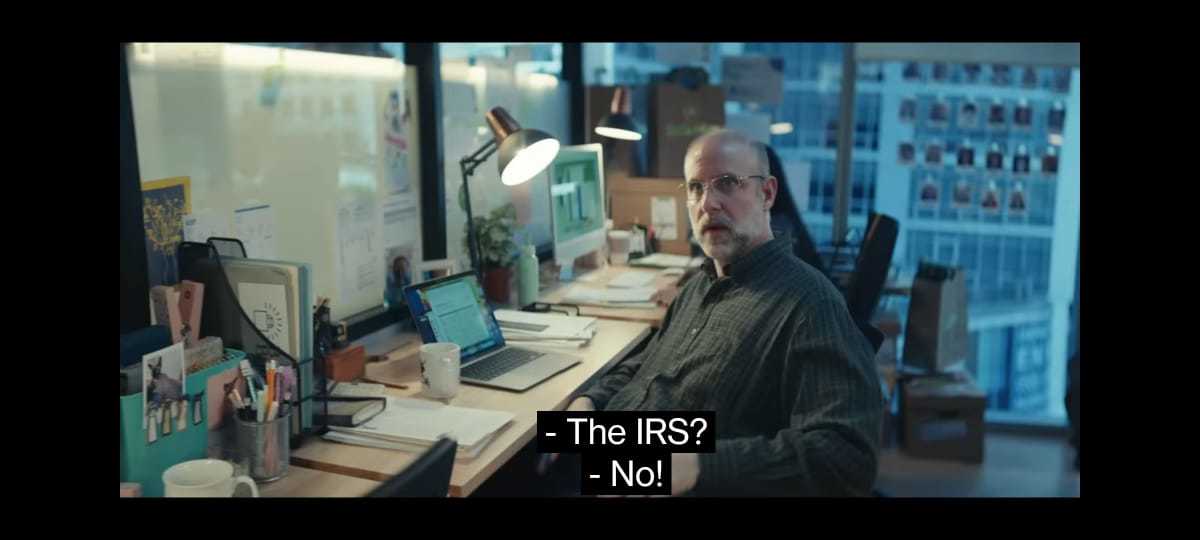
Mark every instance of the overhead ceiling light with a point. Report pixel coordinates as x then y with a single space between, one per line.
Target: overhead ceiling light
781 128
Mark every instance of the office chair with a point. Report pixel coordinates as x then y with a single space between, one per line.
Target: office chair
871 268
428 476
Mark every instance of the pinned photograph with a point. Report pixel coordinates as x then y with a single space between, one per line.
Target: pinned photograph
929 193
991 198
162 385
1016 200
908 153
962 194
399 272
968 114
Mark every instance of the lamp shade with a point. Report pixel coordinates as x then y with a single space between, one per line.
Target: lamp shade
619 122
523 152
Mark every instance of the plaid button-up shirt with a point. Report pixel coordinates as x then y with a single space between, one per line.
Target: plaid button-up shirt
771 348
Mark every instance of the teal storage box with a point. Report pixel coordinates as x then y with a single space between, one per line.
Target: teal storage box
144 462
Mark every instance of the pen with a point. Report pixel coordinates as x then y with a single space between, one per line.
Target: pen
270 381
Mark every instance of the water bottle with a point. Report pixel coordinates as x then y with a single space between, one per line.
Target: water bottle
527 276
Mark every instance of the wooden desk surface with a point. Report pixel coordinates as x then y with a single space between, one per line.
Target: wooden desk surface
303 482
599 278
614 339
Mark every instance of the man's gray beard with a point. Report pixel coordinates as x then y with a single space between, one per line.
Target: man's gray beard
739 243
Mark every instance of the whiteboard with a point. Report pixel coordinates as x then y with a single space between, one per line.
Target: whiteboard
324 141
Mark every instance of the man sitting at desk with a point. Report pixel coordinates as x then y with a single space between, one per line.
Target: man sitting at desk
761 338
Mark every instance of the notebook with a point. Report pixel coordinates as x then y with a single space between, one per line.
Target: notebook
349 412
419 422
462 453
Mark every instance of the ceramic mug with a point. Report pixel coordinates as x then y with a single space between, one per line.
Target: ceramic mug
203 478
441 364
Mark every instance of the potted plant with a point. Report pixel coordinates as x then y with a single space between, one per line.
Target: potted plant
496 251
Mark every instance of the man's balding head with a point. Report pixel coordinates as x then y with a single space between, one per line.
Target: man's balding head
729 222
732 146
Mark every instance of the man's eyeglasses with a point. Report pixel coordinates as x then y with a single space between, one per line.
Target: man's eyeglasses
726 184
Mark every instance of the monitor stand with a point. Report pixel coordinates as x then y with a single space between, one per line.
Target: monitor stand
582 265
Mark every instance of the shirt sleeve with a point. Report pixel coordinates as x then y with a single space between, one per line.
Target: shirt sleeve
603 390
831 444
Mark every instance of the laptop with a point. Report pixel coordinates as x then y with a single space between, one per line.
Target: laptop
453 309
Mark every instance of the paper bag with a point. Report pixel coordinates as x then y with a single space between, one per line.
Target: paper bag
936 334
677 116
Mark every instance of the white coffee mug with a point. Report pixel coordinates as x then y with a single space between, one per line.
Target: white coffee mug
619 242
203 478
440 366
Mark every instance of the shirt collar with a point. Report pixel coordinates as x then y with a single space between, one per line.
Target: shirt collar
749 265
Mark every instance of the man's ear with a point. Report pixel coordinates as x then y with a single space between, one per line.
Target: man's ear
770 188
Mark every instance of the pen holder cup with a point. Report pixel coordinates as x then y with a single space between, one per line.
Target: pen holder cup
264 447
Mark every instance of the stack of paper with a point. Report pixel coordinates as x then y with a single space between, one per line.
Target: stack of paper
667 260
524 328
415 424
637 297
632 279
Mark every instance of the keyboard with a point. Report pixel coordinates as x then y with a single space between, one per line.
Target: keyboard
631 280
499 364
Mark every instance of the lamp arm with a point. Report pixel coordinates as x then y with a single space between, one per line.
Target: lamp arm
468 166
471 162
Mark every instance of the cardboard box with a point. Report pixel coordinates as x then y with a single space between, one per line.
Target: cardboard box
943 418
347 365
632 203
677 116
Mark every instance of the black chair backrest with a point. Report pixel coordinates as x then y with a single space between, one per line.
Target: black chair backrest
871 269
428 476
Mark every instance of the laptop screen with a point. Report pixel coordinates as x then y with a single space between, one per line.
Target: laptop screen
453 309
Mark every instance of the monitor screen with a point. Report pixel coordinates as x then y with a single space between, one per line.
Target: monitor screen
577 201
454 310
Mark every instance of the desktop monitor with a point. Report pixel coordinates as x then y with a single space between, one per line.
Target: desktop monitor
577 202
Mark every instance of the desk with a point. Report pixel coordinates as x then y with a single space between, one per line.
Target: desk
599 278
614 339
302 482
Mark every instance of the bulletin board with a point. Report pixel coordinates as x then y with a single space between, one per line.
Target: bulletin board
305 156
658 202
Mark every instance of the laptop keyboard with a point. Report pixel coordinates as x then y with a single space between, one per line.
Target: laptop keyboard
499 364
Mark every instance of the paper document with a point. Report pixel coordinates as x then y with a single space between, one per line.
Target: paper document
201 225
667 260
632 279
662 216
463 452
635 297
420 421
526 328
255 227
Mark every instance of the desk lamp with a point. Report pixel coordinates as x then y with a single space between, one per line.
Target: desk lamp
523 154
619 122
